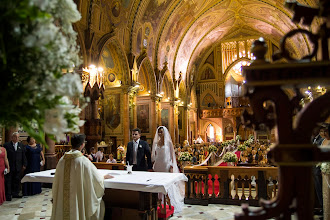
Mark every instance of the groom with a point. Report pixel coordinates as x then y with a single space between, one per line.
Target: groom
137 150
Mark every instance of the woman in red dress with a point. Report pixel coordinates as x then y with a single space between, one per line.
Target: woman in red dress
3 164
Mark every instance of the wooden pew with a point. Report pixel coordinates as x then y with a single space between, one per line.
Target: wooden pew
109 166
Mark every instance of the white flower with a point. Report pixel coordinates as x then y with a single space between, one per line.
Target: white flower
325 167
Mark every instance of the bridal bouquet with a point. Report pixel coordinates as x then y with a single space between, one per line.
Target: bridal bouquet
38 44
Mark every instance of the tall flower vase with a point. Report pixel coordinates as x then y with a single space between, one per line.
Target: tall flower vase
326 195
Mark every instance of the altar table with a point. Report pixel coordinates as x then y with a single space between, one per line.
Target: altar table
127 196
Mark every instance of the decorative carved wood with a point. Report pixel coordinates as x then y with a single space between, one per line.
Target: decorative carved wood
293 152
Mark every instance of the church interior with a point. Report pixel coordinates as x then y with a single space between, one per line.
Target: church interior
214 73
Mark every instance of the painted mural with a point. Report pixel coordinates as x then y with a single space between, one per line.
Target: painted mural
112 111
107 59
164 117
208 74
143 118
155 11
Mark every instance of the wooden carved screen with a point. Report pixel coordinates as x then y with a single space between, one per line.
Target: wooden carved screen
293 151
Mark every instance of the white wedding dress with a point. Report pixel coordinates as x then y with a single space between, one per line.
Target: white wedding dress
163 161
164 158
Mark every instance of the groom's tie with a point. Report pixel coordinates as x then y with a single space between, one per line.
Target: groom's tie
135 146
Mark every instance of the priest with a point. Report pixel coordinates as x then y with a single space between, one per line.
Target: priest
78 187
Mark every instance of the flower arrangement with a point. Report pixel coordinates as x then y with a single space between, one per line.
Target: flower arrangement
238 137
230 157
185 156
37 45
213 148
241 147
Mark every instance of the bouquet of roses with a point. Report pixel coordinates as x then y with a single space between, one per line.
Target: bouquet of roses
185 156
38 44
230 157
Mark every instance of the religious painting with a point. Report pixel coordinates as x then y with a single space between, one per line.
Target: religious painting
143 118
229 130
112 111
164 117
106 58
208 74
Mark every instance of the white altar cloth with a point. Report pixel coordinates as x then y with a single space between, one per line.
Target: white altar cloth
155 182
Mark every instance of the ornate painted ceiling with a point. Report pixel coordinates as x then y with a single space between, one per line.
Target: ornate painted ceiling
180 32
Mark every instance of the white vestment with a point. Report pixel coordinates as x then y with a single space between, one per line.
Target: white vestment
77 189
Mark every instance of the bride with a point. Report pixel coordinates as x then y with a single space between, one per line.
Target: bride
164 159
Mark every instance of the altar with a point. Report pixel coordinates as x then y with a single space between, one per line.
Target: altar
127 196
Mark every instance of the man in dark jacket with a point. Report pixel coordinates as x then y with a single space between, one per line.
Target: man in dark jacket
17 162
137 151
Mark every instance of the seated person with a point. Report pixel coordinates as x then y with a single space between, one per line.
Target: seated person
83 151
111 159
92 155
99 155
78 186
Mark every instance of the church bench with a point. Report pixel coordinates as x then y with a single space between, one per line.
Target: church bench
109 166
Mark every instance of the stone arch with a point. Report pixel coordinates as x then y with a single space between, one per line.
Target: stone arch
119 55
150 74
206 93
166 82
233 64
207 69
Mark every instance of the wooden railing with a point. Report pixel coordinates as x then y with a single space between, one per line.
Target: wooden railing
219 113
109 166
230 185
61 149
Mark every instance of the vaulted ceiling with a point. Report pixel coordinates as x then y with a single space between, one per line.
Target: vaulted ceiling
180 32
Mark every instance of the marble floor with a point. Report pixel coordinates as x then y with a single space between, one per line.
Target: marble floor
40 207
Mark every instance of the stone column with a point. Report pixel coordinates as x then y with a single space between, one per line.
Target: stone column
175 123
126 118
186 123
50 155
159 112
171 123
153 111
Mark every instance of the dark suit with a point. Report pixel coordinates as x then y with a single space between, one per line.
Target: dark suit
143 151
17 160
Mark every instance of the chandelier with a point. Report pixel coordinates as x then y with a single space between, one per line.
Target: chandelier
93 75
